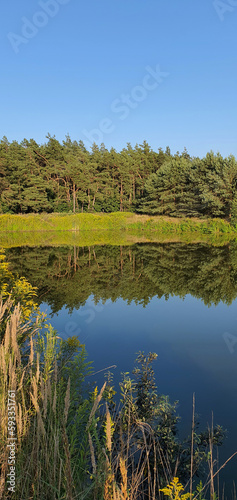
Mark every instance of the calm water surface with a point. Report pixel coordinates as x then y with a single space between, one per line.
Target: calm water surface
173 299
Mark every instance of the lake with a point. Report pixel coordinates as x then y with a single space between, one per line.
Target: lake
175 299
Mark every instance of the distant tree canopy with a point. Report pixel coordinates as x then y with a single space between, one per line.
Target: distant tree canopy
63 177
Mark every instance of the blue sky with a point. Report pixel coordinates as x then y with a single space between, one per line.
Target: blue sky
84 72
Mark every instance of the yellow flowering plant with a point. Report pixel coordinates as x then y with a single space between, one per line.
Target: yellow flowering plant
174 490
14 290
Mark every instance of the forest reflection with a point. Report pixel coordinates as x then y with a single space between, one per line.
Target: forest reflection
67 276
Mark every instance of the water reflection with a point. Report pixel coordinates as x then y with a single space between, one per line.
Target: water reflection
68 276
156 297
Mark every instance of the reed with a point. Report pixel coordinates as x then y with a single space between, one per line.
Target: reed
72 445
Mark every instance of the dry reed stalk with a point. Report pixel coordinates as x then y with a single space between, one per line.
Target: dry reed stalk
136 480
147 449
107 488
60 474
3 365
124 479
19 422
45 399
24 411
93 462
4 469
108 430
68 471
20 384
31 357
42 386
34 397
14 324
67 401
109 483
10 366
137 470
215 474
35 391
7 337
155 470
54 401
49 391
116 495
37 368
211 466
192 447
6 306
56 371
218 477
56 454
41 427
165 464
12 374
95 406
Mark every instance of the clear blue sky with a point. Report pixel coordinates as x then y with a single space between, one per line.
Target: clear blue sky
64 77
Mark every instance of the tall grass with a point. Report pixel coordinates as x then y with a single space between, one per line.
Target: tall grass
73 444
112 229
115 222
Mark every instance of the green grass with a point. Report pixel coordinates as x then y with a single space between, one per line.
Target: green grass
121 228
63 222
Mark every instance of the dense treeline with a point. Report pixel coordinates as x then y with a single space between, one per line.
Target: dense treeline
67 276
55 177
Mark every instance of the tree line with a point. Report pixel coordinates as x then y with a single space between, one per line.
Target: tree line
64 177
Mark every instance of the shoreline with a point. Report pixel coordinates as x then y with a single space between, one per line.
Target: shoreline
124 221
119 228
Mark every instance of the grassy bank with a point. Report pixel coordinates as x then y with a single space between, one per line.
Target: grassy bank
121 228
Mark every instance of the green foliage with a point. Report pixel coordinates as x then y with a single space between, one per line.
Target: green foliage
63 177
145 386
15 290
173 190
191 187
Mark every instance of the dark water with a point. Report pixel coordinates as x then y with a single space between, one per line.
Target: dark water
173 299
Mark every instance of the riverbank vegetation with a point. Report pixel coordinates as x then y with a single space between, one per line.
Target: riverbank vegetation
77 441
63 177
73 443
118 224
